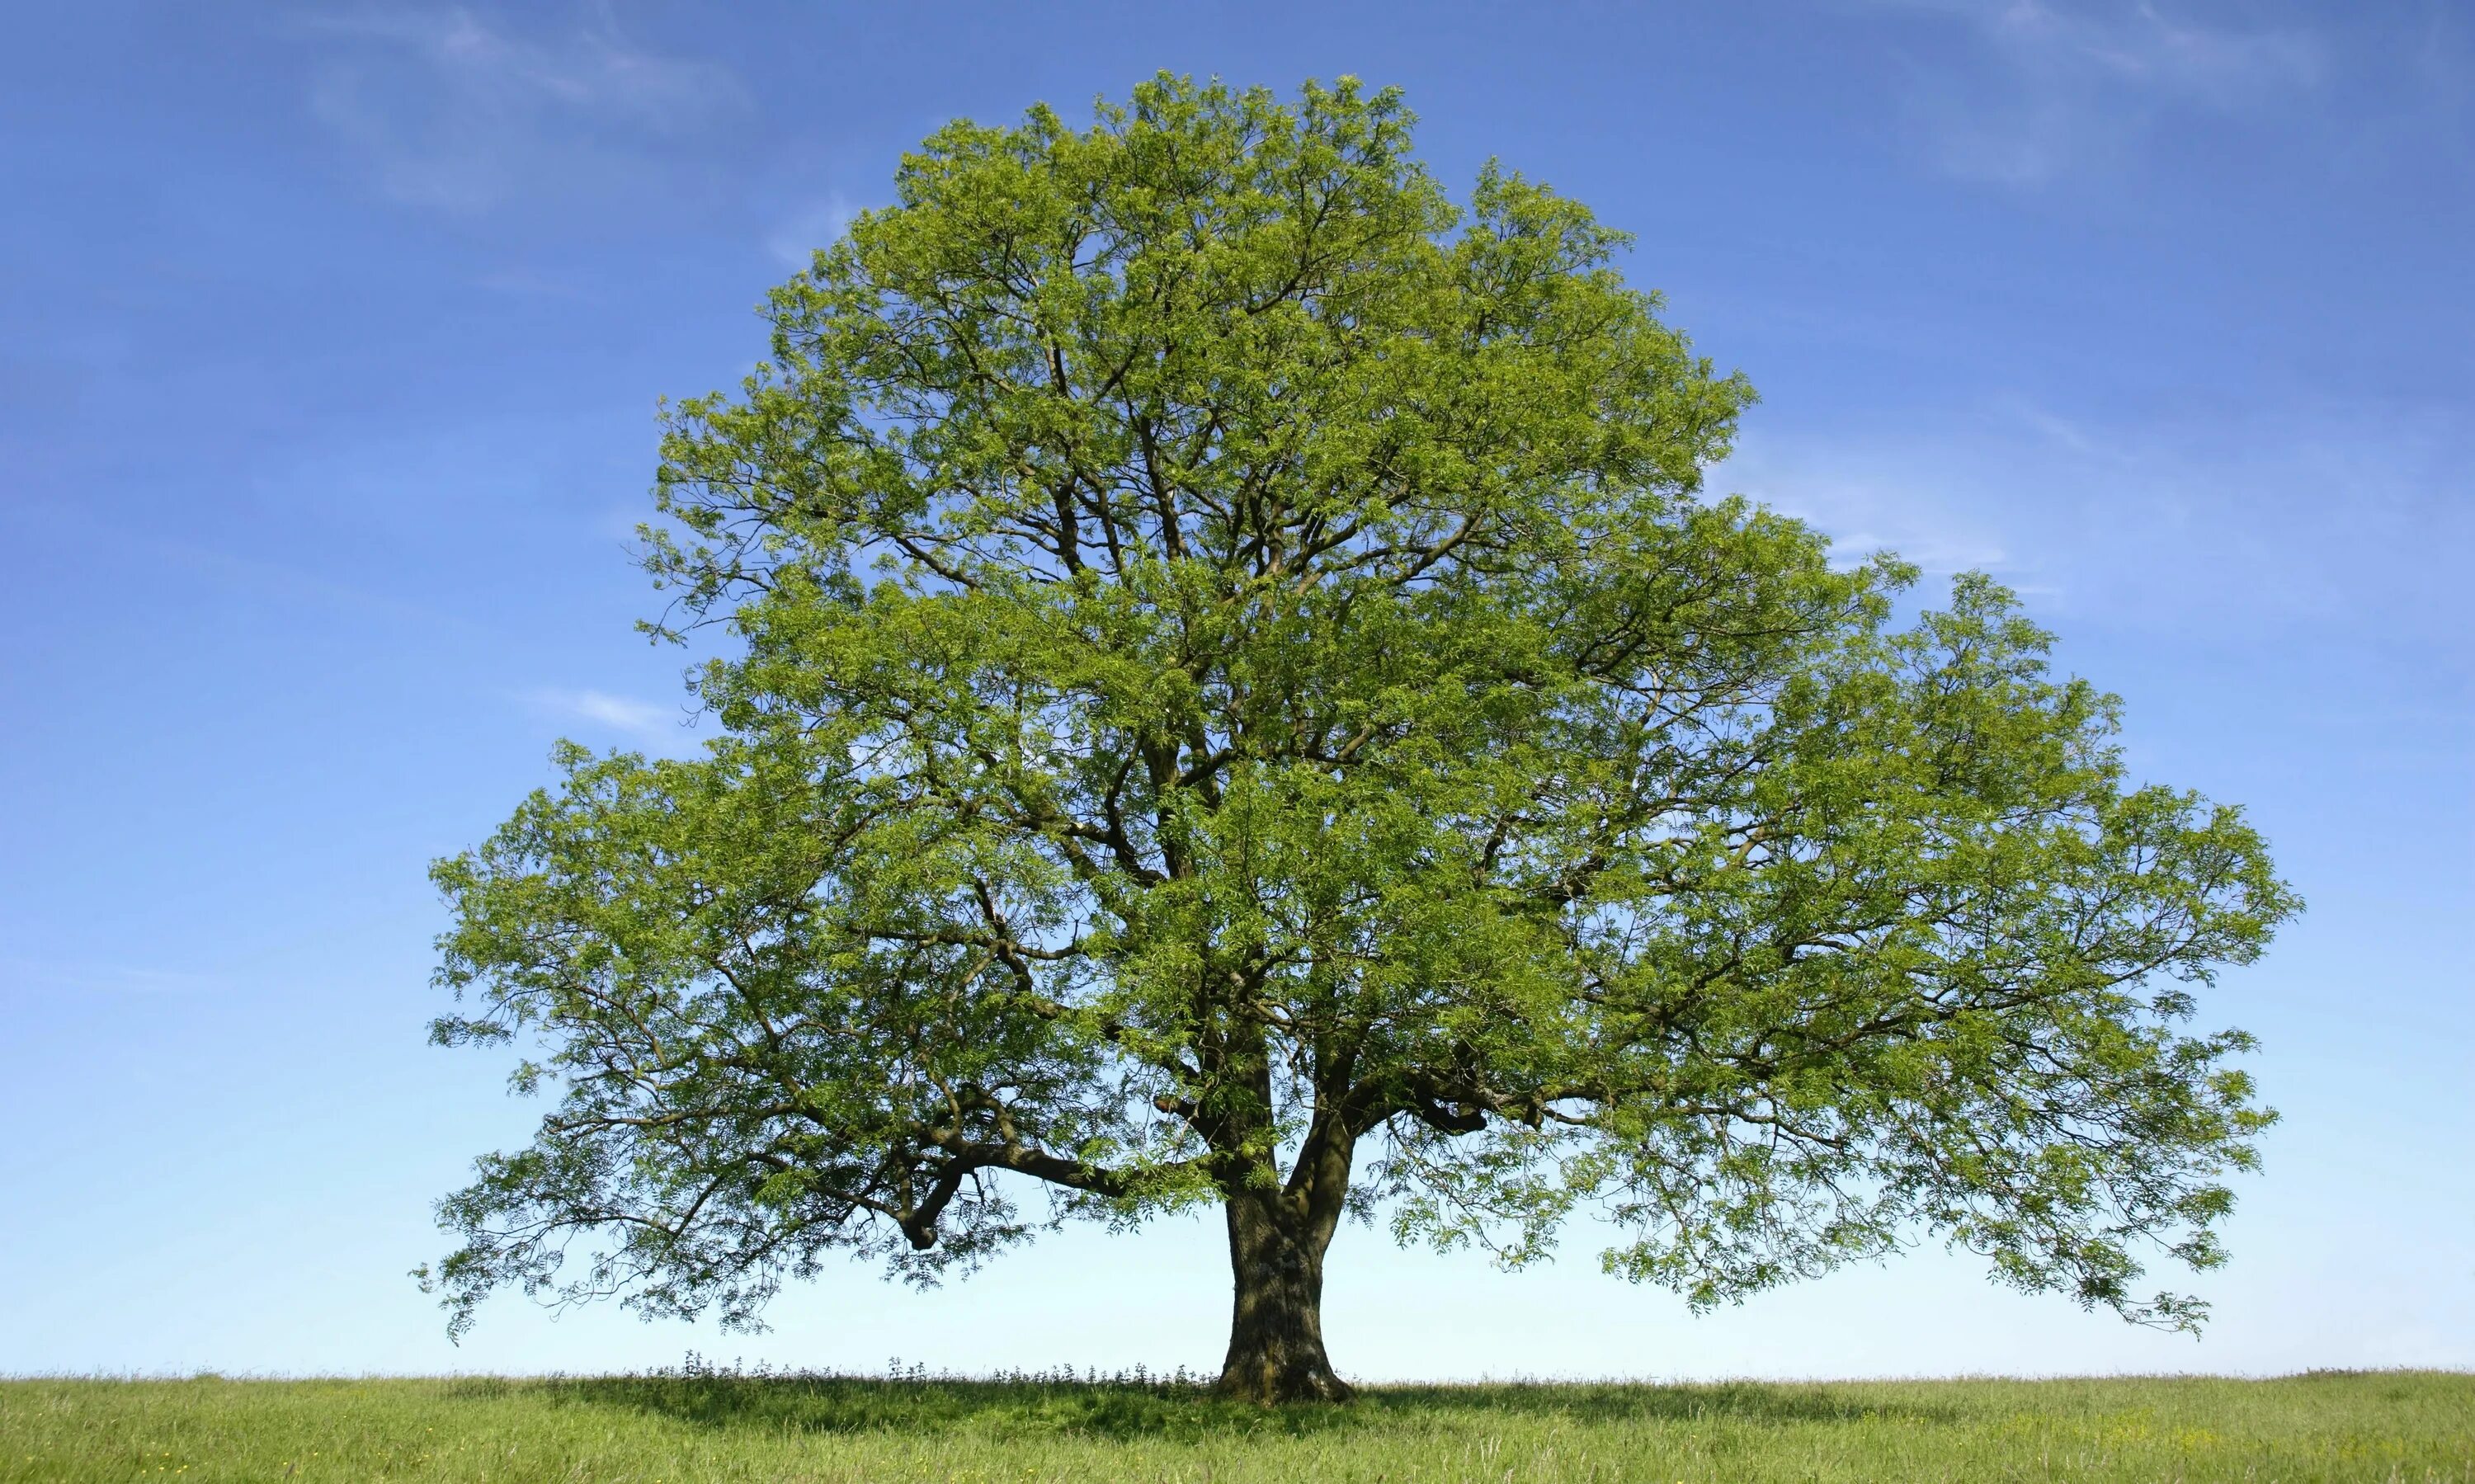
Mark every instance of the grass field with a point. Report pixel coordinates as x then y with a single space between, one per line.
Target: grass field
665 1430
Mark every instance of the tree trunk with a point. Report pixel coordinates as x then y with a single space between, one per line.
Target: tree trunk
1276 1319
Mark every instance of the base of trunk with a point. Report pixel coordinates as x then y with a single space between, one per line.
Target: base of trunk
1267 1381
1276 1324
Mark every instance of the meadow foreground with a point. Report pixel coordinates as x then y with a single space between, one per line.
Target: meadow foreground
664 1430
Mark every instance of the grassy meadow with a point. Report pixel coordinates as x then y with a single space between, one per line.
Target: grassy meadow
668 1428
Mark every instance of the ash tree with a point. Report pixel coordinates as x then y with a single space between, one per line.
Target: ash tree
1233 696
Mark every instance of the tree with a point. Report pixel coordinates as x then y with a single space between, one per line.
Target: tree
1232 696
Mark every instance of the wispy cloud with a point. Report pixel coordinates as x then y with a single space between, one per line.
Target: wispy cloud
795 242
454 111
2328 519
646 721
1868 503
2075 85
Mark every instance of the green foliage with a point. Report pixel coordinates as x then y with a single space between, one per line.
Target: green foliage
1230 659
2380 1426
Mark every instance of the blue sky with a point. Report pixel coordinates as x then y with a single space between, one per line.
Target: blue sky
331 343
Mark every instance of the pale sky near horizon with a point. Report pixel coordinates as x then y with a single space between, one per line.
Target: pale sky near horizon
329 339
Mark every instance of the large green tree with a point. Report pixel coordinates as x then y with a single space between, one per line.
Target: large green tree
1232 696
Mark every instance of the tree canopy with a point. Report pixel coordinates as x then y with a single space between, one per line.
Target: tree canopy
1232 694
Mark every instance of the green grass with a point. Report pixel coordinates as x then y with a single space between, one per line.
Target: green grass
2384 1425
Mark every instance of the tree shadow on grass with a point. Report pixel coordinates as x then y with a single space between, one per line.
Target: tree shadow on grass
1132 1410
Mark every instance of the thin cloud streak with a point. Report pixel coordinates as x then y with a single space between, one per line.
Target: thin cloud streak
452 112
2079 84
2345 516
644 720
795 243
1865 505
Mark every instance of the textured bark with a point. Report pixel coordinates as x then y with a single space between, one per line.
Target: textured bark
1276 1316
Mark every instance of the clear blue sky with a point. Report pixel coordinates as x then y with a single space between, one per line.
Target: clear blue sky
328 346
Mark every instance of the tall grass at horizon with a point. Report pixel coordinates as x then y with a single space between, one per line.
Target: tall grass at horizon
697 1424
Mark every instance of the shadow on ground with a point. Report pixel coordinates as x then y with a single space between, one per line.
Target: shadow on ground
1123 1410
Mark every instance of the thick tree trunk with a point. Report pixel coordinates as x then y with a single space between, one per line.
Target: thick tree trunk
1276 1317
